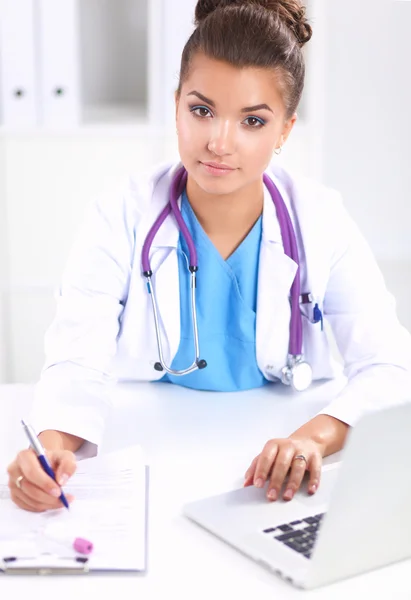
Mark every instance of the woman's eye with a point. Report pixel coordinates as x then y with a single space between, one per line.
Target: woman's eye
256 123
204 110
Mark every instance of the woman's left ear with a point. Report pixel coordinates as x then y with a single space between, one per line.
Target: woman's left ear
287 128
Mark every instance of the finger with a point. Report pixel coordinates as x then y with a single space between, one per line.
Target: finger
19 500
315 473
249 475
298 469
28 489
33 494
280 470
13 470
66 467
32 471
27 503
264 463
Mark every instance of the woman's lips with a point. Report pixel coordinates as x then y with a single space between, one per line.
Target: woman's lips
217 170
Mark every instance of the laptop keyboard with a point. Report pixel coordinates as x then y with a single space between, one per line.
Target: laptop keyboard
298 535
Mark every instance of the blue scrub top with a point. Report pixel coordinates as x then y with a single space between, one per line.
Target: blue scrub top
226 301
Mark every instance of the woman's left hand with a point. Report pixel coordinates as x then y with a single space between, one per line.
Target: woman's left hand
277 458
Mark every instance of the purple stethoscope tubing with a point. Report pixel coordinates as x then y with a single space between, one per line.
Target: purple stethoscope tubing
288 238
177 187
291 250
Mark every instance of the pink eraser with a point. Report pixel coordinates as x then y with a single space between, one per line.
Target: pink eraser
82 545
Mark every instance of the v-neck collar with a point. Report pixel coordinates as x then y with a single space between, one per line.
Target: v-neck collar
198 230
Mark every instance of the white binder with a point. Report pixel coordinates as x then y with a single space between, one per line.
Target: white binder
18 98
59 62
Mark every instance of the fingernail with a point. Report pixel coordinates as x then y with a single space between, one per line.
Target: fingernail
259 483
63 479
288 494
313 489
55 492
272 494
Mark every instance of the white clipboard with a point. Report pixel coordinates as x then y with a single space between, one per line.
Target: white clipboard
48 565
24 555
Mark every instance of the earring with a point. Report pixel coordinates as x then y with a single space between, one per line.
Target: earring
279 150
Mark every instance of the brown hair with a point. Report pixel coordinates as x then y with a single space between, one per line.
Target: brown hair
253 33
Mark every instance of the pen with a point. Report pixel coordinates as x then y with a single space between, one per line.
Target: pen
41 455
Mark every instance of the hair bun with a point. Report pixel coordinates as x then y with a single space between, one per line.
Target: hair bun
292 12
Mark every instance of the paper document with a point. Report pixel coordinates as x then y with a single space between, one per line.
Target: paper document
110 510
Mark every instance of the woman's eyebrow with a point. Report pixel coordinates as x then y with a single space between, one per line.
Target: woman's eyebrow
244 110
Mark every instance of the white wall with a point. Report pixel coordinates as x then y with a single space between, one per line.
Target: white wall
367 132
49 180
4 281
367 129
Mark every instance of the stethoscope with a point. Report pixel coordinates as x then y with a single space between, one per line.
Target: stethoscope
297 372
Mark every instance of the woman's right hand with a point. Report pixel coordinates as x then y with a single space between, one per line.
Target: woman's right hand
37 491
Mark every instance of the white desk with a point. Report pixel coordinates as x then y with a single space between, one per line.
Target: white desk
197 444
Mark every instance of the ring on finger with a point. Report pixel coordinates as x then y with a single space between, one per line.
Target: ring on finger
301 457
19 480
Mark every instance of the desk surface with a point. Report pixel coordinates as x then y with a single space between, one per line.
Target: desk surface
197 444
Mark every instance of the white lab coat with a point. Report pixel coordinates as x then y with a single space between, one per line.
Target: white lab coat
103 330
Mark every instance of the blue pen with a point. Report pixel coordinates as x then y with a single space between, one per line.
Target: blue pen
41 455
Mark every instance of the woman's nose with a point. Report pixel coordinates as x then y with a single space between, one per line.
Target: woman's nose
222 137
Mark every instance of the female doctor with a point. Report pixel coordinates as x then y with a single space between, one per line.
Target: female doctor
219 272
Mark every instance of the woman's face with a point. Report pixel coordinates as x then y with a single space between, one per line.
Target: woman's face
230 116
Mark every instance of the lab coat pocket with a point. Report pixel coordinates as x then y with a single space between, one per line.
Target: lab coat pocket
312 312
316 348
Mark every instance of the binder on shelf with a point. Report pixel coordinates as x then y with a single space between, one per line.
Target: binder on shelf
19 93
59 62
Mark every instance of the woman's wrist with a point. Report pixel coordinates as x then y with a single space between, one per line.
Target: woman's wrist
60 440
328 432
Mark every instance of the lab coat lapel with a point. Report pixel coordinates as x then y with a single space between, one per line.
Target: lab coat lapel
275 277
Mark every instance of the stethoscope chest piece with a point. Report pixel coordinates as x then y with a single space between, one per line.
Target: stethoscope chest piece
297 373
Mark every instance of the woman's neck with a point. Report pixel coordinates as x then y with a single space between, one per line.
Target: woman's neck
227 213
227 219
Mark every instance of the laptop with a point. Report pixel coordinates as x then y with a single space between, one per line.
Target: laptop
358 520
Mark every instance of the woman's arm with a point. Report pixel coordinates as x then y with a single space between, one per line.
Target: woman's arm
59 440
72 394
374 346
329 433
